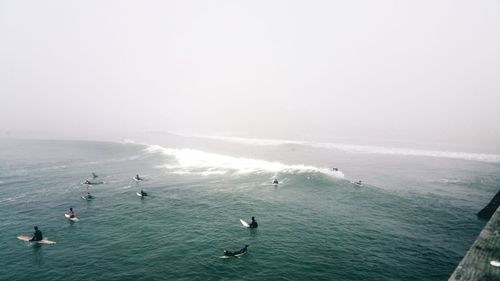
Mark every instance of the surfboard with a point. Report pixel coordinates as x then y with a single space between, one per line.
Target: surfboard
495 263
93 183
235 256
244 223
137 180
87 198
28 238
138 194
71 219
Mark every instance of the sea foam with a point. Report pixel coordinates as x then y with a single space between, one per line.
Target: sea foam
191 161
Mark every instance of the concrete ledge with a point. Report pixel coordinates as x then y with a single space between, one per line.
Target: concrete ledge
478 262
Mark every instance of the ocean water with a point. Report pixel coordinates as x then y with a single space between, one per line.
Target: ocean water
413 218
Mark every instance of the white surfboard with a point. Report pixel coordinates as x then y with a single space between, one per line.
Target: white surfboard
28 238
138 194
495 263
71 219
244 223
235 256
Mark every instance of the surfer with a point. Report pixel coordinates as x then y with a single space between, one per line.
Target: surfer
37 236
143 193
87 182
335 169
88 196
71 213
276 181
239 252
358 182
138 178
94 175
253 224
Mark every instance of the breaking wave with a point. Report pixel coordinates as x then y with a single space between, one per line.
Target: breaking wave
191 161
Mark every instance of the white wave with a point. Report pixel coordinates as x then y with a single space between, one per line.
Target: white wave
199 162
366 149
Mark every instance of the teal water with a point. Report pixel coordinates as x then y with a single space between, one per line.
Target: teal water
413 219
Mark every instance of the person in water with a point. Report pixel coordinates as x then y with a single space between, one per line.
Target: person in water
143 193
232 254
87 182
335 169
253 224
276 181
71 213
137 177
94 175
358 182
89 196
37 236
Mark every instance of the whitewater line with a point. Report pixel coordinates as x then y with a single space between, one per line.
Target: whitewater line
365 149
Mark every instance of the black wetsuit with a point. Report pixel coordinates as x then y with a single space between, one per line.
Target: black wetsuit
240 251
37 236
232 254
253 224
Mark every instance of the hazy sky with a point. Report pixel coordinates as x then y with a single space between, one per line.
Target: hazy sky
415 70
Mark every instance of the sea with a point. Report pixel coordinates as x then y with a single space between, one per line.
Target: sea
412 218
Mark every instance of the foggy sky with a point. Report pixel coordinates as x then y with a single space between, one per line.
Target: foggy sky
414 70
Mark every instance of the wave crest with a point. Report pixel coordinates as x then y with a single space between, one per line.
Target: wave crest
191 161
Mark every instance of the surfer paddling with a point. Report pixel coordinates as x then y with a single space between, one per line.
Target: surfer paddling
88 196
137 178
37 236
239 252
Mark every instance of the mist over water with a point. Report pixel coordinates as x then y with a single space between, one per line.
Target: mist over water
364 71
402 96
